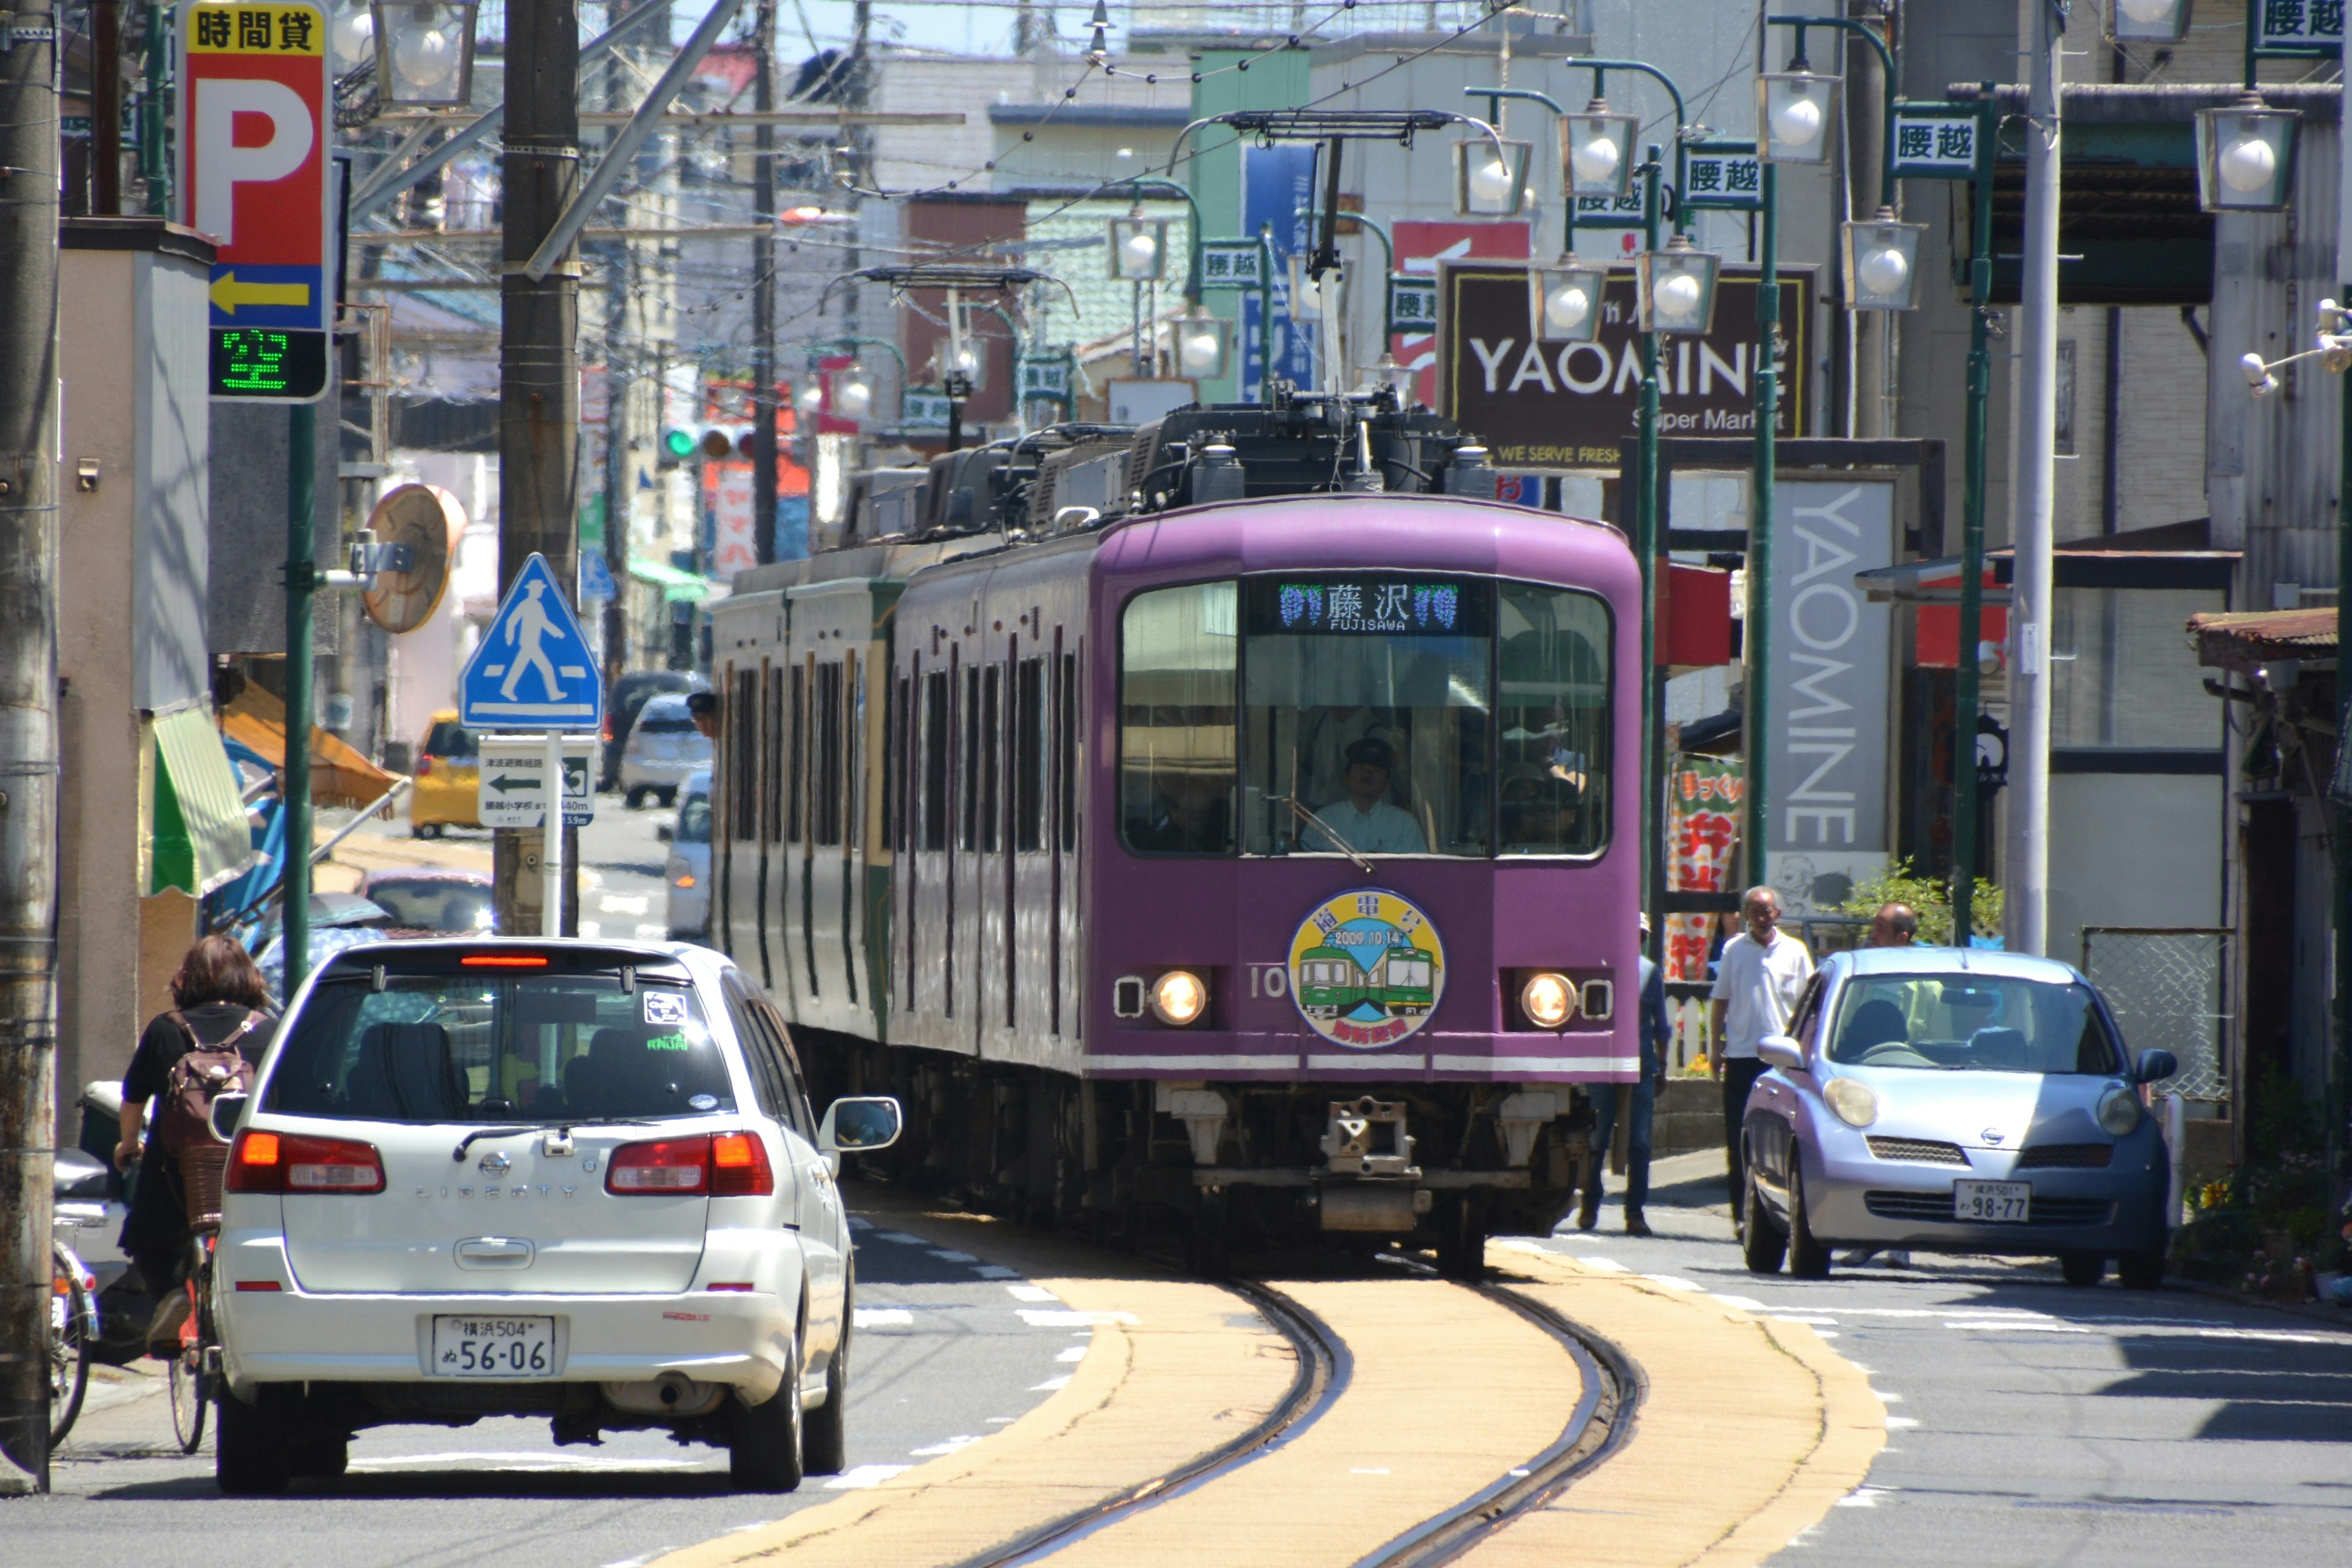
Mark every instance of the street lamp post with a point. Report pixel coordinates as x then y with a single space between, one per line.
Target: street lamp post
1967 694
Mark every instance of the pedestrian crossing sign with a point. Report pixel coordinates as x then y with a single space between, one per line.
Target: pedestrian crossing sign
533 669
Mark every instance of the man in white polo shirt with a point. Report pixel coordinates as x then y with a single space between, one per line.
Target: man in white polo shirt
1762 971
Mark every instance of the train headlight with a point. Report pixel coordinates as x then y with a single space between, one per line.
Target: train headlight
1178 997
1549 1000
1855 1103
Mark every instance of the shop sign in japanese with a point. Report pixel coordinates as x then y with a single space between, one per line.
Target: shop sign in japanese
2302 29
1232 264
1412 302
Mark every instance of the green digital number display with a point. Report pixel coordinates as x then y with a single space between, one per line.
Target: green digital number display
261 364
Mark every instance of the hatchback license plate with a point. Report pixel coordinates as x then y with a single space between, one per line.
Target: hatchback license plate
1992 1203
507 1347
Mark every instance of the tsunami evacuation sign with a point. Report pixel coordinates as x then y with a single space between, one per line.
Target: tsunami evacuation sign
533 669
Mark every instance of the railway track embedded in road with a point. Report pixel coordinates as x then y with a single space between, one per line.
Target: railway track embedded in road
1595 1428
1324 1370
1598 1423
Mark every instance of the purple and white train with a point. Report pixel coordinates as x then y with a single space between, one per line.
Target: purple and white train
1227 826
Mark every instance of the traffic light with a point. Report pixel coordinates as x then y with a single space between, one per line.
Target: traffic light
677 447
715 442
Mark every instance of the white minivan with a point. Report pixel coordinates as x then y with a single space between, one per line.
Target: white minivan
575 1179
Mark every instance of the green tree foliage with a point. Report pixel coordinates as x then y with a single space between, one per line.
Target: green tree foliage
1899 884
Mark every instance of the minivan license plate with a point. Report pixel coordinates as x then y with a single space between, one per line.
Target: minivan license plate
494 1347
1992 1203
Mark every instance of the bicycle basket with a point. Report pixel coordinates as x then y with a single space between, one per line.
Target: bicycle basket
204 1167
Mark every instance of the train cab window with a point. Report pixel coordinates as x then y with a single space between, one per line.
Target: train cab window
1178 653
1368 700
936 738
1553 655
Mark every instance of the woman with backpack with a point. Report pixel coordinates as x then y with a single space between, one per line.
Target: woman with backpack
205 1046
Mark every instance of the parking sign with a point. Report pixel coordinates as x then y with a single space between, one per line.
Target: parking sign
255 138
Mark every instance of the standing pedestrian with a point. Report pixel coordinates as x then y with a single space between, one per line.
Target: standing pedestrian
222 1005
1763 971
1892 925
1640 1110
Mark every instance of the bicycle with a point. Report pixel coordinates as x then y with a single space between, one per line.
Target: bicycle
188 1370
73 1334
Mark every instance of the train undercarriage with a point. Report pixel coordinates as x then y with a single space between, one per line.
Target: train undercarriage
1222 1168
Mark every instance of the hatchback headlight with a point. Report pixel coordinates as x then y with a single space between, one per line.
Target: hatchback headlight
1547 1000
1855 1103
2119 1110
1178 996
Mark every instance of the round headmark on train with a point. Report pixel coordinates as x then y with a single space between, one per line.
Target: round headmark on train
1367 969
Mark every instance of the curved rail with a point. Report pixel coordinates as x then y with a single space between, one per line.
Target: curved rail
1596 1427
1325 1368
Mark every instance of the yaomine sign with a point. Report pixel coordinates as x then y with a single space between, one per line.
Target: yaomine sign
1570 405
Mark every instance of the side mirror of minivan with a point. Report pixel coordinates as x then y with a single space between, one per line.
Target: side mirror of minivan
1781 1051
2155 1064
227 1109
857 1125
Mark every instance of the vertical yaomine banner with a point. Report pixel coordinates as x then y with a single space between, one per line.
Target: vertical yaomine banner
1703 800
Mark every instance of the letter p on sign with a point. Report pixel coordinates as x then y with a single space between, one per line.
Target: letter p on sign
253 169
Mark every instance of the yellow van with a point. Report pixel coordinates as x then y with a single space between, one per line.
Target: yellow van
447 791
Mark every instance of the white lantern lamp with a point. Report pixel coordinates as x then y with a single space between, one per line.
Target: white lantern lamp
1882 262
1676 288
350 36
2149 21
852 391
1596 150
1490 176
2245 157
424 52
1568 301
1139 248
1203 345
1795 111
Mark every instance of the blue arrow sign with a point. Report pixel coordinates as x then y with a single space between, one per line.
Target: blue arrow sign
595 578
532 669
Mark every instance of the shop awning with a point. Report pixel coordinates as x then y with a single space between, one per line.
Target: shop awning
202 838
677 586
339 774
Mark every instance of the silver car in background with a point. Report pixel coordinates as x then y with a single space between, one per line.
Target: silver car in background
664 748
687 877
1941 1100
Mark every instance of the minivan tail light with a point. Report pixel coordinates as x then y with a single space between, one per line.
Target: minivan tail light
290 1163
663 1166
739 1166
424 767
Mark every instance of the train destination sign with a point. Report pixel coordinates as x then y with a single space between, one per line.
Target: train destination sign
1366 969
1354 604
1572 404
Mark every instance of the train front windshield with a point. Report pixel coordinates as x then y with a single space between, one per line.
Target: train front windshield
1389 714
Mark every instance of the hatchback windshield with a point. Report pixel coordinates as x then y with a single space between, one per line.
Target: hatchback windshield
493 1047
1974 1022
693 820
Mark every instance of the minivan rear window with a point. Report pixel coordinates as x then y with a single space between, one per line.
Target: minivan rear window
471 1048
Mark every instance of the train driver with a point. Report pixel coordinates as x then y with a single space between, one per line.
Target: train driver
1365 817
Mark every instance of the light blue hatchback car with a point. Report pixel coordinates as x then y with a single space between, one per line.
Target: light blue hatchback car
1941 1100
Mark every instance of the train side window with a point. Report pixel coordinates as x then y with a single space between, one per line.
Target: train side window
796 760
1553 707
1178 657
894 762
1029 754
990 684
825 741
936 740
1065 741
772 793
972 757
743 760
853 754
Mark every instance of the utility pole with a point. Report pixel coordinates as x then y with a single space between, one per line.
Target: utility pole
28 731
1756 633
617 383
539 353
2025 864
763 291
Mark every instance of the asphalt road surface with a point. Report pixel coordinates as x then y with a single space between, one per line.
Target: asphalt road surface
947 1348
2030 1423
